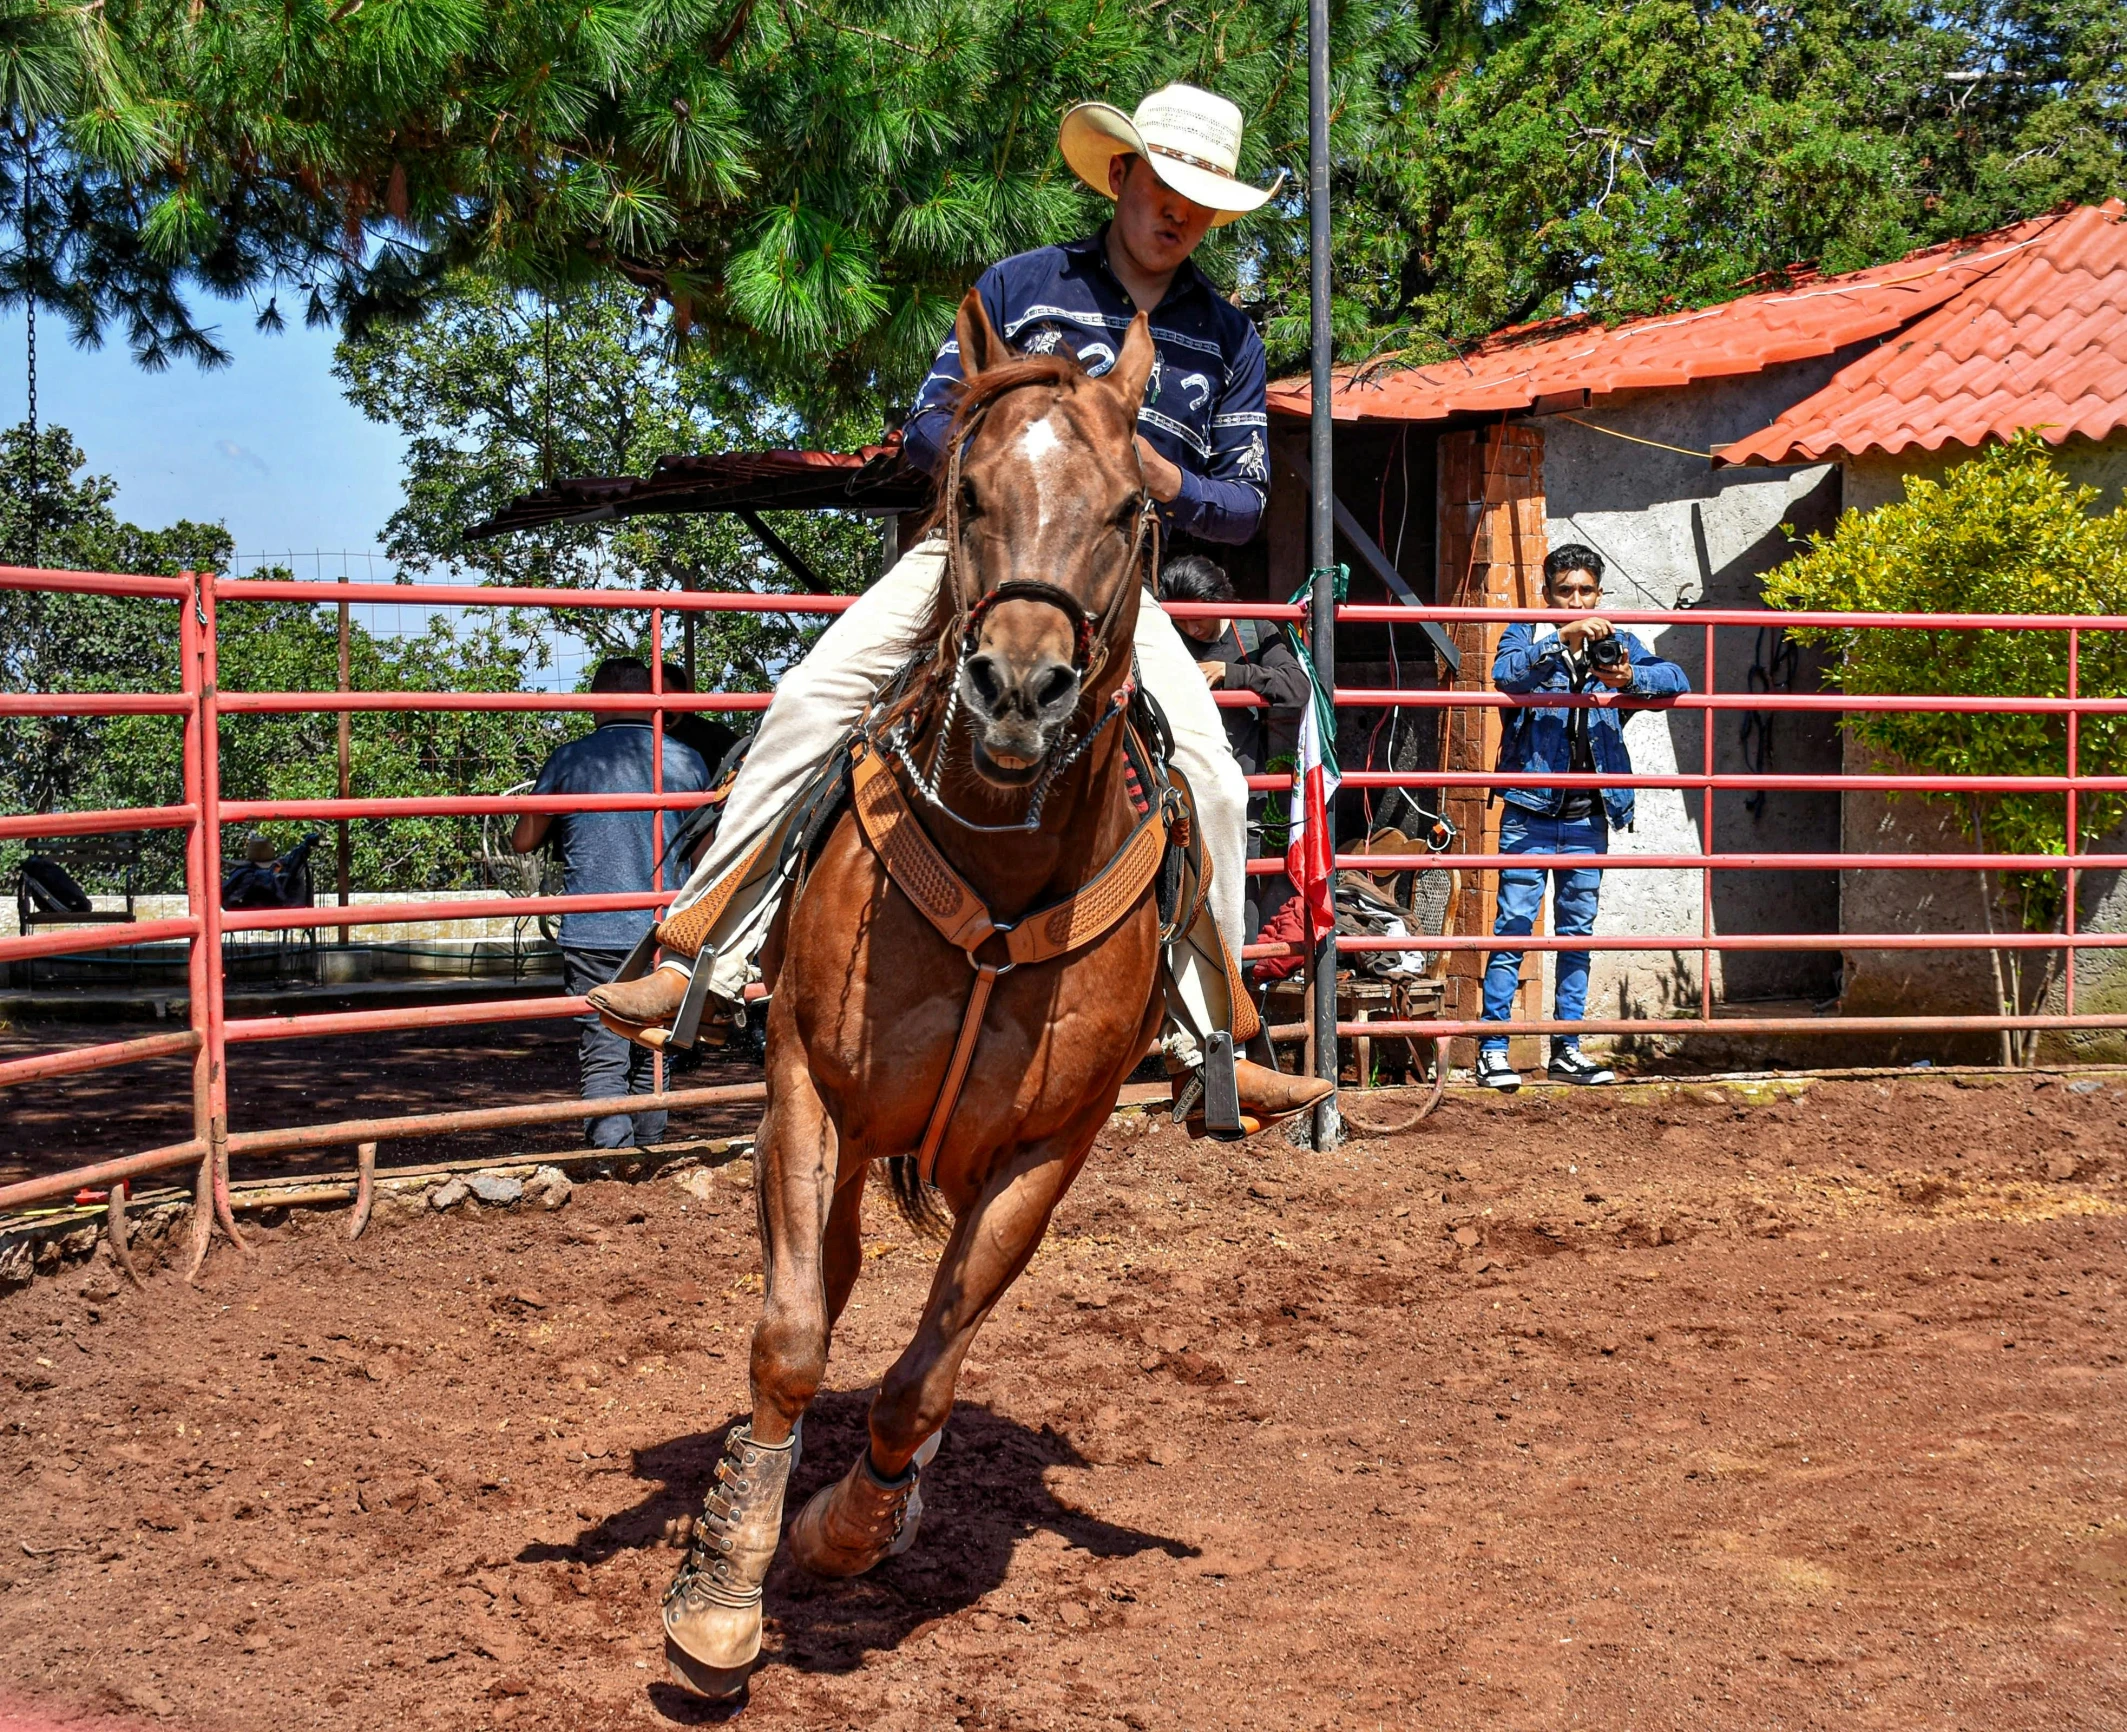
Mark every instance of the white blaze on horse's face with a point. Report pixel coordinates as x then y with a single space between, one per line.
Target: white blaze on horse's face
1045 515
1039 484
1043 448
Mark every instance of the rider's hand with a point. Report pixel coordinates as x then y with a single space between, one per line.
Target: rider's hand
1162 479
1214 673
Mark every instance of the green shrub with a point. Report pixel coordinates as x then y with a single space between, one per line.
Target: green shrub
2005 533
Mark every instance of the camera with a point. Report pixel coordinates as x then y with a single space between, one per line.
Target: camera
1606 652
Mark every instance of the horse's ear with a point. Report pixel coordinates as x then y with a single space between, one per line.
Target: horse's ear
981 348
1134 365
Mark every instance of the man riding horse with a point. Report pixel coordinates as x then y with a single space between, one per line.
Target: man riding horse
1202 446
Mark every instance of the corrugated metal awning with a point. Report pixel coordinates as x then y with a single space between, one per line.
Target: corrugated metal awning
872 479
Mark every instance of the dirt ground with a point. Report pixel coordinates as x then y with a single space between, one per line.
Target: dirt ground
1713 1408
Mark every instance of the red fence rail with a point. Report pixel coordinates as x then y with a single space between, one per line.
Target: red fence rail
211 1033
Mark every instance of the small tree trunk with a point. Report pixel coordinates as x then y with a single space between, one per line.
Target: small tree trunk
2002 1003
2047 976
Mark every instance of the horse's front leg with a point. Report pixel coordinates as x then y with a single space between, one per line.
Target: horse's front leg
871 1513
713 1608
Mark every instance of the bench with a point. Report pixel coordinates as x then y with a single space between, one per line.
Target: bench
1360 999
118 852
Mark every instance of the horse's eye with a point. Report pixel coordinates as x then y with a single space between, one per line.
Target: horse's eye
969 506
1126 514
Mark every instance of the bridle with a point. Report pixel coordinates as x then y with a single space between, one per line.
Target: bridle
1089 646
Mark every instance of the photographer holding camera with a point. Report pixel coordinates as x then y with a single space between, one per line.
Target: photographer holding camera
1585 654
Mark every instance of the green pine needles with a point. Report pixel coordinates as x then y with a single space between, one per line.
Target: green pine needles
805 188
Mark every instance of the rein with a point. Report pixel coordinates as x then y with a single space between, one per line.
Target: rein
1089 652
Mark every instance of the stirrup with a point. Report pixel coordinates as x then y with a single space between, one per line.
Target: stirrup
1209 1103
1222 1092
686 1026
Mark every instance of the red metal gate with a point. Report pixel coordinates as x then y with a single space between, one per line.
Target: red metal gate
200 703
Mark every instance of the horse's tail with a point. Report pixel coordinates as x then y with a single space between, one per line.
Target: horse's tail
919 1203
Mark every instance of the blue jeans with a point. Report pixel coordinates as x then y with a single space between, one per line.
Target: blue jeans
1521 898
611 1064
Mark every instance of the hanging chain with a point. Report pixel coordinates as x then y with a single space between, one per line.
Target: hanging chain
546 389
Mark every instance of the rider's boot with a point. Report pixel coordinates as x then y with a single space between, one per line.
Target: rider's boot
632 1007
1268 1096
713 1608
643 1010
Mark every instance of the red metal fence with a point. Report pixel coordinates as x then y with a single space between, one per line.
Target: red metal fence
200 703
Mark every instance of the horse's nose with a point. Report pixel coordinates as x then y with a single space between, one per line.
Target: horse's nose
1041 694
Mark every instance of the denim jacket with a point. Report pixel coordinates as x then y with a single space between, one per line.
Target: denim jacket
1531 659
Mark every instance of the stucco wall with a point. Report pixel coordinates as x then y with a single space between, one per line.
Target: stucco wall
1675 531
1876 479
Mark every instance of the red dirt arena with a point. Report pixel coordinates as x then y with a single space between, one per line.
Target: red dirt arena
1705 1405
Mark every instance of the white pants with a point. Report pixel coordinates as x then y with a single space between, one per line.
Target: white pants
826 695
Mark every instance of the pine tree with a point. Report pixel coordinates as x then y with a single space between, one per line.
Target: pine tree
805 187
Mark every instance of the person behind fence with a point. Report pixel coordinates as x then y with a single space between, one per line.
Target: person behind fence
1240 655
709 735
1586 654
609 853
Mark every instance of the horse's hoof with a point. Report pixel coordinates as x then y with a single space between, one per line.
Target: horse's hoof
712 1637
699 1678
858 1522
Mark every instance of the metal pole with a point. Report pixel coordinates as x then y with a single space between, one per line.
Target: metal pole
1706 847
686 583
346 845
2075 645
657 785
210 908
1322 521
202 890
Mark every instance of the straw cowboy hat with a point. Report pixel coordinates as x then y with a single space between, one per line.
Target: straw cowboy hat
1191 138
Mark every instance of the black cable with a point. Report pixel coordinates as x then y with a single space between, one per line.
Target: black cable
1767 672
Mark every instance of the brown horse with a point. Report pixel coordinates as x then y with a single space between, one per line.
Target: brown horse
1046 525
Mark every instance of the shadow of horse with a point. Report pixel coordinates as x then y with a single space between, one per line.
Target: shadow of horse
981 1497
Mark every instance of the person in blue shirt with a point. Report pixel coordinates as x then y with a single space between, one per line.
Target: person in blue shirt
1585 654
602 854
1202 438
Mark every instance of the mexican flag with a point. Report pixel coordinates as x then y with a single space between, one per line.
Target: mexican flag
1309 862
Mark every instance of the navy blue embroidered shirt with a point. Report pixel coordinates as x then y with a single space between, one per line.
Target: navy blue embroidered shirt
1203 407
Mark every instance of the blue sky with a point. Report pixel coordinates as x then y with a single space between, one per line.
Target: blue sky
266 445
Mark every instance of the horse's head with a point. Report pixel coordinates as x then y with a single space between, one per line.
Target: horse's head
1047 526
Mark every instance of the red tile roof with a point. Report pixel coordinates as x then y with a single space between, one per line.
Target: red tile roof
2039 341
1563 362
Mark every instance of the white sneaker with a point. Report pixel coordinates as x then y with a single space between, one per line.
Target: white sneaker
1494 1072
